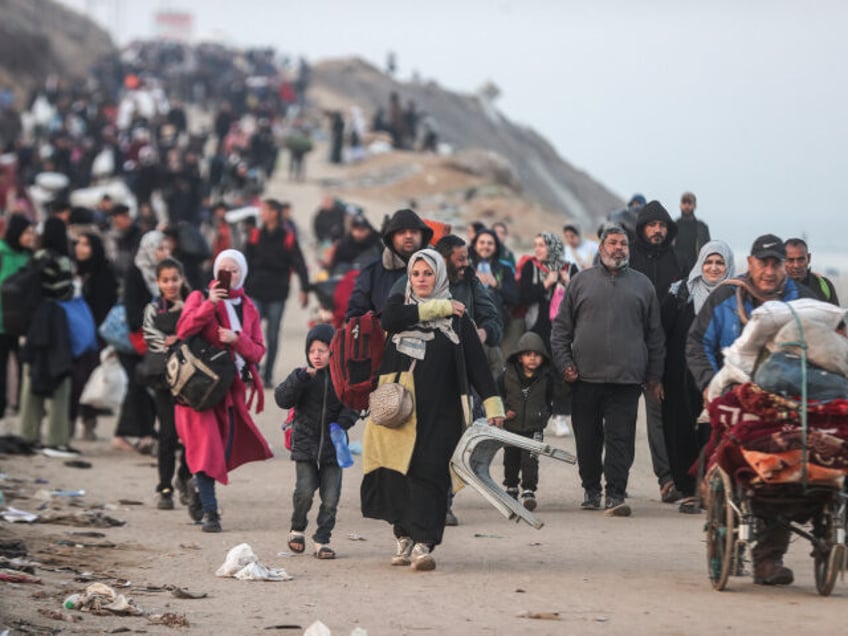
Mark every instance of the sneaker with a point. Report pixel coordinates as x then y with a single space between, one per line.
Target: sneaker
512 491
195 508
422 560
450 518
404 550
166 500
616 507
182 489
211 522
62 451
772 573
591 500
528 498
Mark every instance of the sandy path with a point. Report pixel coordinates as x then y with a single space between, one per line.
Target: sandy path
642 575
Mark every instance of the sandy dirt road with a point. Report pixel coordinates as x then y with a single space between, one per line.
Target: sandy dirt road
641 575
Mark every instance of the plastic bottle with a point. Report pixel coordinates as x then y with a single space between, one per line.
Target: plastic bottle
72 602
339 437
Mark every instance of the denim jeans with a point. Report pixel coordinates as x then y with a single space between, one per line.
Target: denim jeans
327 480
271 311
205 483
603 417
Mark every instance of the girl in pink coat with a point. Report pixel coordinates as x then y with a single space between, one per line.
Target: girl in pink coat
224 437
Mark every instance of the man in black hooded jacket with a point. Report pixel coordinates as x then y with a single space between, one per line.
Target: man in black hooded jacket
653 255
404 234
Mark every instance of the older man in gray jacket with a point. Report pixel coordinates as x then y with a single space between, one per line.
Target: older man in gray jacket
607 342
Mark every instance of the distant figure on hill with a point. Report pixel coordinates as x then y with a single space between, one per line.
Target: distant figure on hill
692 233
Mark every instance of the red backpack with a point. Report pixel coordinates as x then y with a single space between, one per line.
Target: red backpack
356 352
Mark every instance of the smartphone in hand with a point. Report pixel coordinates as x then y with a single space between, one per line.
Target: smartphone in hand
224 279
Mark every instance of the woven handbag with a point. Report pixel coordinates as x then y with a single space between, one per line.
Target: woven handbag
391 403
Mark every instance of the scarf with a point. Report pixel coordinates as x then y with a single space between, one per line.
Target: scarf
412 342
145 259
700 289
236 292
556 252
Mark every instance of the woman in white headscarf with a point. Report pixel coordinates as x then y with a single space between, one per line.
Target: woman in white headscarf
224 437
406 469
683 402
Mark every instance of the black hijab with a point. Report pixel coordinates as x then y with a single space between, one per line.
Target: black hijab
17 225
97 260
55 236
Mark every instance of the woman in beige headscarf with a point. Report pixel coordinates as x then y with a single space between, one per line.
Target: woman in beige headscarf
407 474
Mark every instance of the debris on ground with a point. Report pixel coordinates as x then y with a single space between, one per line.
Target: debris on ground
545 616
91 518
243 564
169 619
179 592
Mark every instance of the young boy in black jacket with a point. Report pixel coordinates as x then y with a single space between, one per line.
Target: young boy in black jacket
529 387
309 390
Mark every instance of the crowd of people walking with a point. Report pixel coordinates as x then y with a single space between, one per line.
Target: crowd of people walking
576 328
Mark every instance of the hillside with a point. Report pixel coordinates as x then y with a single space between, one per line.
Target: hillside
39 37
469 122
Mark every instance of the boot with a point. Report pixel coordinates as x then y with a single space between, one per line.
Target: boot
211 522
166 499
772 543
404 549
422 560
195 508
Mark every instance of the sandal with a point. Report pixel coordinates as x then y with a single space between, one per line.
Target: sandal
122 443
689 506
324 552
146 446
297 543
669 493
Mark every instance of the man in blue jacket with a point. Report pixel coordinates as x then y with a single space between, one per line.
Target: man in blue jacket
403 235
716 326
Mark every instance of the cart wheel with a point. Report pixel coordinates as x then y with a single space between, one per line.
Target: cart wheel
828 560
720 528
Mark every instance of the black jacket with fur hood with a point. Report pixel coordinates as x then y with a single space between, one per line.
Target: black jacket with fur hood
316 406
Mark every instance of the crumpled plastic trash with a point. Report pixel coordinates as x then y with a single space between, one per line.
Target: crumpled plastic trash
243 564
99 598
14 515
317 629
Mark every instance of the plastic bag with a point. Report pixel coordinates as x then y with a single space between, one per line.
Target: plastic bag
115 330
243 564
107 385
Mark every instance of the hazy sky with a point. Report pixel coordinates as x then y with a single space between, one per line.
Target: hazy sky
743 103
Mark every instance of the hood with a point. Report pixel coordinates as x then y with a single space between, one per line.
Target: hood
406 220
322 332
18 223
530 341
654 211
